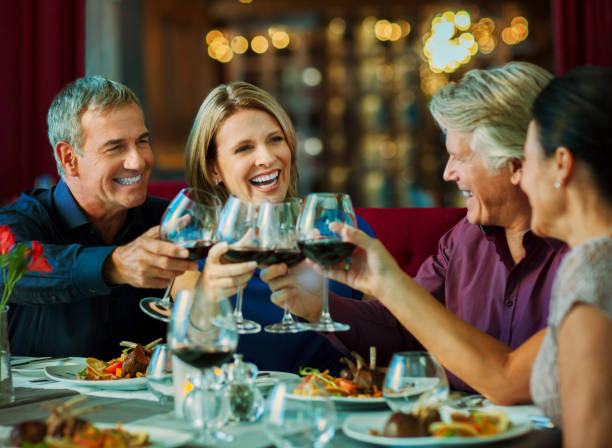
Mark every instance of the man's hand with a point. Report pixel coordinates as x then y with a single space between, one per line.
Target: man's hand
300 288
147 262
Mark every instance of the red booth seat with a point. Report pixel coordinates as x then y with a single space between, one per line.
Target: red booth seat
409 234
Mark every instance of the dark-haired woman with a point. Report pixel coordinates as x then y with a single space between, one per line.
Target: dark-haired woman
568 178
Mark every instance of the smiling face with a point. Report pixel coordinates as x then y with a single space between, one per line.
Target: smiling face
253 157
489 193
537 181
112 172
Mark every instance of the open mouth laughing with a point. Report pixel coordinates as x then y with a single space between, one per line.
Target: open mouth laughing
266 180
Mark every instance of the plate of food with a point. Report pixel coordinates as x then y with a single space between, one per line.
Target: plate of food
359 385
65 428
460 428
126 372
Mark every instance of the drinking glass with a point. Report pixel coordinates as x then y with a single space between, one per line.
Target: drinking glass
237 226
159 374
323 246
190 223
291 423
276 229
202 334
414 377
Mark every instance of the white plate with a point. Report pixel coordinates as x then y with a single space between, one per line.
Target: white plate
358 426
346 402
68 374
38 368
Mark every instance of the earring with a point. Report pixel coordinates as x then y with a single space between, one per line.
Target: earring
557 184
216 181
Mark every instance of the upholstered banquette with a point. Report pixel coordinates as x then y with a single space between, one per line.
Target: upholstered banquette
409 234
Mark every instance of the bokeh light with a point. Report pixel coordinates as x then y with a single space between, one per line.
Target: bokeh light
239 44
311 76
259 44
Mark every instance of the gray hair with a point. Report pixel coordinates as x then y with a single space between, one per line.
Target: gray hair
494 105
69 105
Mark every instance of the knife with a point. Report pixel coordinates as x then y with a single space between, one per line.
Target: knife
45 359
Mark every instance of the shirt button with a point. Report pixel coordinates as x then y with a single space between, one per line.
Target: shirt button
508 302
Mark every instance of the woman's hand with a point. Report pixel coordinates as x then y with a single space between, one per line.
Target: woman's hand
225 277
372 268
300 288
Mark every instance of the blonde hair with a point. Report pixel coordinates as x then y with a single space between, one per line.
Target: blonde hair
494 105
222 102
69 105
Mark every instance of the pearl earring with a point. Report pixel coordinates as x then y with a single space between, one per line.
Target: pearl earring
557 184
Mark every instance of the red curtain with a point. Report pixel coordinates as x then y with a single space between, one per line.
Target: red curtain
582 31
42 47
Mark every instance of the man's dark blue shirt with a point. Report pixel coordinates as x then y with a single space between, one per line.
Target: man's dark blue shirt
71 311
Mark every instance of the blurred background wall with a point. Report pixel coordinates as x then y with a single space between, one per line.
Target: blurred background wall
355 75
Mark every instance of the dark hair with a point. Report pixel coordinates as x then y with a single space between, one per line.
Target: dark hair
575 111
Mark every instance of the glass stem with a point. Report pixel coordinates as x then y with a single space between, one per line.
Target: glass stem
287 317
238 318
166 299
325 316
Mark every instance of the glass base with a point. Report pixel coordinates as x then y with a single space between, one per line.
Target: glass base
247 327
285 327
153 307
330 326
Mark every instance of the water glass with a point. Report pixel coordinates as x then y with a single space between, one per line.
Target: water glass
414 377
159 374
298 423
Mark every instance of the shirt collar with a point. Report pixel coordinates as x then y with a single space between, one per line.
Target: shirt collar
495 232
67 206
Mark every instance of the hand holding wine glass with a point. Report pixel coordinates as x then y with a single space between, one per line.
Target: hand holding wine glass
191 223
323 246
277 234
238 227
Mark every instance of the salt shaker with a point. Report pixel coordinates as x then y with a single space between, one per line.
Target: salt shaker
246 401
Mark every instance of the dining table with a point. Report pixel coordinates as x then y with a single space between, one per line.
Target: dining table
36 394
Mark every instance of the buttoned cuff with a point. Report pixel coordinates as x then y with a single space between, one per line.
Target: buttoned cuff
88 271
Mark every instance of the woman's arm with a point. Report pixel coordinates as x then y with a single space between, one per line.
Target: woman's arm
486 364
585 376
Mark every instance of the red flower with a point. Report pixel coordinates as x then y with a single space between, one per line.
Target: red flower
37 261
7 240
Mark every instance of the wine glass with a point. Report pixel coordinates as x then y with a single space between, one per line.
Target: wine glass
414 378
190 223
277 235
202 334
159 374
323 246
297 423
238 227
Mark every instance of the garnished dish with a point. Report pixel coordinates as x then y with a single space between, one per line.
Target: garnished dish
427 422
358 380
64 429
132 363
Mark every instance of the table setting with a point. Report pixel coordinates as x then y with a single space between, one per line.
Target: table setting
196 390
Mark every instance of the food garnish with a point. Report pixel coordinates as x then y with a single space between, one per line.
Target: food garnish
358 380
132 363
64 429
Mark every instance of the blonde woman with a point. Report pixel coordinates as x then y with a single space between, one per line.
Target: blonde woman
487 290
243 143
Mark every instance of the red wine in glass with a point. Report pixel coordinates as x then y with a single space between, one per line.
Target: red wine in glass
197 249
290 257
327 252
238 255
201 358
